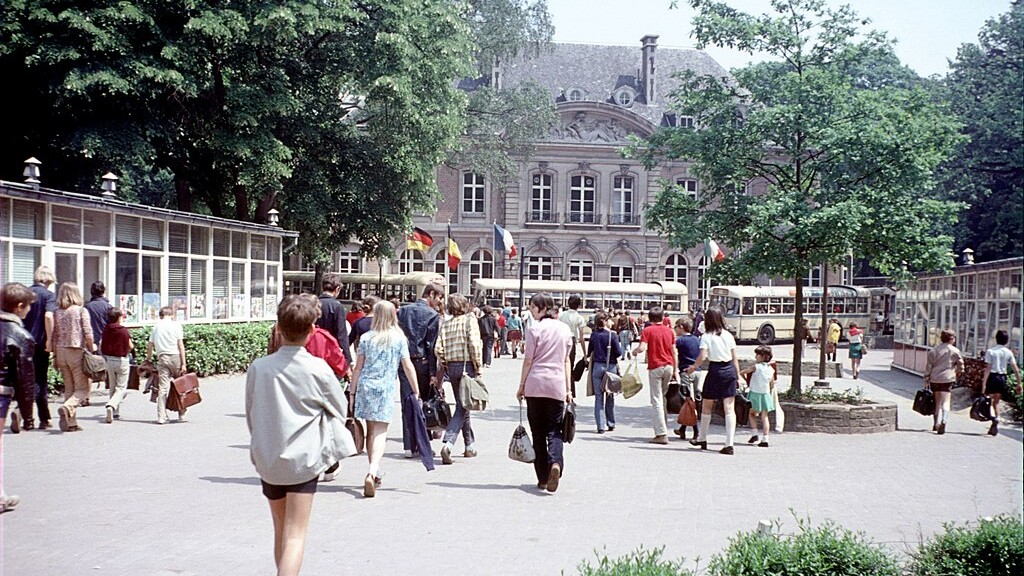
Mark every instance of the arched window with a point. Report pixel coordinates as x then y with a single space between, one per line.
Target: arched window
410 261
481 265
441 267
675 268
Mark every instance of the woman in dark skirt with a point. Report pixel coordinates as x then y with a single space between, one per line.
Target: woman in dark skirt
718 347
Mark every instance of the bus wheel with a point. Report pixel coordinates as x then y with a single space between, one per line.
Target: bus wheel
766 335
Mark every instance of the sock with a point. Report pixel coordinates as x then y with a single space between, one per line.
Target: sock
374 468
705 423
942 415
730 428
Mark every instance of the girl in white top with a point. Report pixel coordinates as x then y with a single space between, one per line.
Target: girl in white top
762 382
718 347
993 383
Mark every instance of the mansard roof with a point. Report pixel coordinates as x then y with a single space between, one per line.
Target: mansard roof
599 70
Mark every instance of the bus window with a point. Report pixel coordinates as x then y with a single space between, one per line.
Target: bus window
839 306
813 306
748 306
788 306
761 306
633 304
651 300
674 301
775 305
862 305
592 301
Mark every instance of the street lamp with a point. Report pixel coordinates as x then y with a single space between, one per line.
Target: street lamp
109 186
273 217
31 172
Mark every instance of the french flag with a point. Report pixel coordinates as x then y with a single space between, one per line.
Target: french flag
503 241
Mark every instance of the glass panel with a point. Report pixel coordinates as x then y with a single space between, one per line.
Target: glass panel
197 289
5 217
238 303
200 240
126 274
177 238
274 250
238 244
258 245
221 243
127 232
150 274
96 228
66 224
177 284
28 220
152 235
24 261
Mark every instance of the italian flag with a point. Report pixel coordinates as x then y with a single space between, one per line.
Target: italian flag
712 251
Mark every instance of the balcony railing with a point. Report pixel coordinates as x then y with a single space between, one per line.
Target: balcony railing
582 218
623 219
541 217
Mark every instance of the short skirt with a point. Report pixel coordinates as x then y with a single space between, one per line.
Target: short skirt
761 401
856 351
720 381
940 386
996 384
514 335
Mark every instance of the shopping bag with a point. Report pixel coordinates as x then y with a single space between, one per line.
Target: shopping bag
520 448
631 383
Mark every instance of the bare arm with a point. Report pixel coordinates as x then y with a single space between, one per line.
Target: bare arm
527 363
984 377
48 326
700 361
360 358
181 354
736 367
568 380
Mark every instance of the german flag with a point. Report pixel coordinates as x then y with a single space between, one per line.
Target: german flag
419 240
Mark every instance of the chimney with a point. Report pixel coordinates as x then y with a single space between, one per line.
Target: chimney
649 43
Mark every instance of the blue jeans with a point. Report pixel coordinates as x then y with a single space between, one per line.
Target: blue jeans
460 420
604 404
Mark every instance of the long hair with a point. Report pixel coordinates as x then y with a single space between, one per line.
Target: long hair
384 330
713 321
545 303
68 295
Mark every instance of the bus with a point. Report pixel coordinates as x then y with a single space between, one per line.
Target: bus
766 313
407 287
634 297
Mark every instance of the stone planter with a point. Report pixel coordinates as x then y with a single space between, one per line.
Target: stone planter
840 418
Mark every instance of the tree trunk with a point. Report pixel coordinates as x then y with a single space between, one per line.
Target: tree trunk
799 336
823 330
241 202
318 277
184 193
264 206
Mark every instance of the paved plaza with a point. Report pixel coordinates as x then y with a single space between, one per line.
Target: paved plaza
138 499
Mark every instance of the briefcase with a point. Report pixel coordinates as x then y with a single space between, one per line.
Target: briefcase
184 392
924 402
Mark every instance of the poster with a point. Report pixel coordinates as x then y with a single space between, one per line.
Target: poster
150 306
198 309
238 306
270 308
256 308
220 307
180 306
129 304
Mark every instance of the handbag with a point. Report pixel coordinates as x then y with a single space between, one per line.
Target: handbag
981 409
610 382
184 393
631 383
673 398
436 412
687 413
579 369
569 423
94 366
355 427
473 394
924 402
520 448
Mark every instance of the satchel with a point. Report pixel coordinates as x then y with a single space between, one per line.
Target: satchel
610 382
94 366
981 409
520 448
631 383
924 402
579 369
673 399
355 427
687 413
184 393
569 422
437 413
473 393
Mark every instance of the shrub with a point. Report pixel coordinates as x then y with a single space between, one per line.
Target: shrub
639 562
826 550
853 396
215 348
1012 398
990 548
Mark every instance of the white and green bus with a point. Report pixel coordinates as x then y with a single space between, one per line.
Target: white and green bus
765 313
636 297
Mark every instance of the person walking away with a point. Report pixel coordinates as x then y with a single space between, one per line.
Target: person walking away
658 341
545 385
993 383
39 324
354 314
116 346
625 334
762 382
515 332
687 351
382 351
604 352
502 334
167 342
856 348
295 413
99 310
332 317
718 347
459 351
576 323
834 331
72 337
488 333
944 364
363 324
420 322
17 369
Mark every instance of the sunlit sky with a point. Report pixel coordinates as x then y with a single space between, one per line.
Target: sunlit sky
928 32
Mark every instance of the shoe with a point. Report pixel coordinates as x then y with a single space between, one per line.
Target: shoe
446 454
763 444
942 429
660 439
681 432
117 416
62 413
85 402
600 431
329 476
753 439
541 485
110 414
164 421
15 422
8 502
470 452
436 434
611 427
553 477
74 428
28 425
702 444
44 425
994 429
409 454
369 487
727 451
935 427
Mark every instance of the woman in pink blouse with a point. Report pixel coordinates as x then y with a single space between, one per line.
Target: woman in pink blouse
545 385
72 336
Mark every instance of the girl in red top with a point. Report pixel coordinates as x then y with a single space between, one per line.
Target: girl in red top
116 345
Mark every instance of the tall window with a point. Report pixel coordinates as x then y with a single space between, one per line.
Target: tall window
481 265
704 282
814 277
675 268
349 262
688 186
581 199
410 261
540 268
621 273
622 200
540 198
472 193
581 270
441 268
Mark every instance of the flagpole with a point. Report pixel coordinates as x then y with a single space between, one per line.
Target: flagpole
448 257
522 269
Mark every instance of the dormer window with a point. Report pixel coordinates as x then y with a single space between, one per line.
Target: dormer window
624 97
574 95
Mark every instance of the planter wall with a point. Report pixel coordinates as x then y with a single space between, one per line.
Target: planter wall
840 418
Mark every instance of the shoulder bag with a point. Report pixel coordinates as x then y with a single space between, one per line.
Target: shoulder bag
473 393
520 448
569 423
924 402
94 365
611 382
436 412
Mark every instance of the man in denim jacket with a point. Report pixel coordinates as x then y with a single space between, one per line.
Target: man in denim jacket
420 322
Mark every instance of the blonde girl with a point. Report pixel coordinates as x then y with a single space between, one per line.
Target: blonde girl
72 337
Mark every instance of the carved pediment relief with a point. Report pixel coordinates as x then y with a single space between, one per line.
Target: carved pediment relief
590 127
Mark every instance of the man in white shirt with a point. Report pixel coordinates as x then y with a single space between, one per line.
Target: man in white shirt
167 342
575 321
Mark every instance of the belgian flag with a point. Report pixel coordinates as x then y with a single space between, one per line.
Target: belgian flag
419 240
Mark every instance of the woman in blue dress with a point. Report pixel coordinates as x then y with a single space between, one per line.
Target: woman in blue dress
375 381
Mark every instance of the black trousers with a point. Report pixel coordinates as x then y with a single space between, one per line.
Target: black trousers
38 391
545 417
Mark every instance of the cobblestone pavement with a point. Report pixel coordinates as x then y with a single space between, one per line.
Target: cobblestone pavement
137 499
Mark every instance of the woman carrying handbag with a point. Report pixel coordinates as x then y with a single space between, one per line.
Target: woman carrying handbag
459 351
604 352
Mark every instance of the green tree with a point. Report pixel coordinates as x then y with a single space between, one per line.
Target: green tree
835 164
986 90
